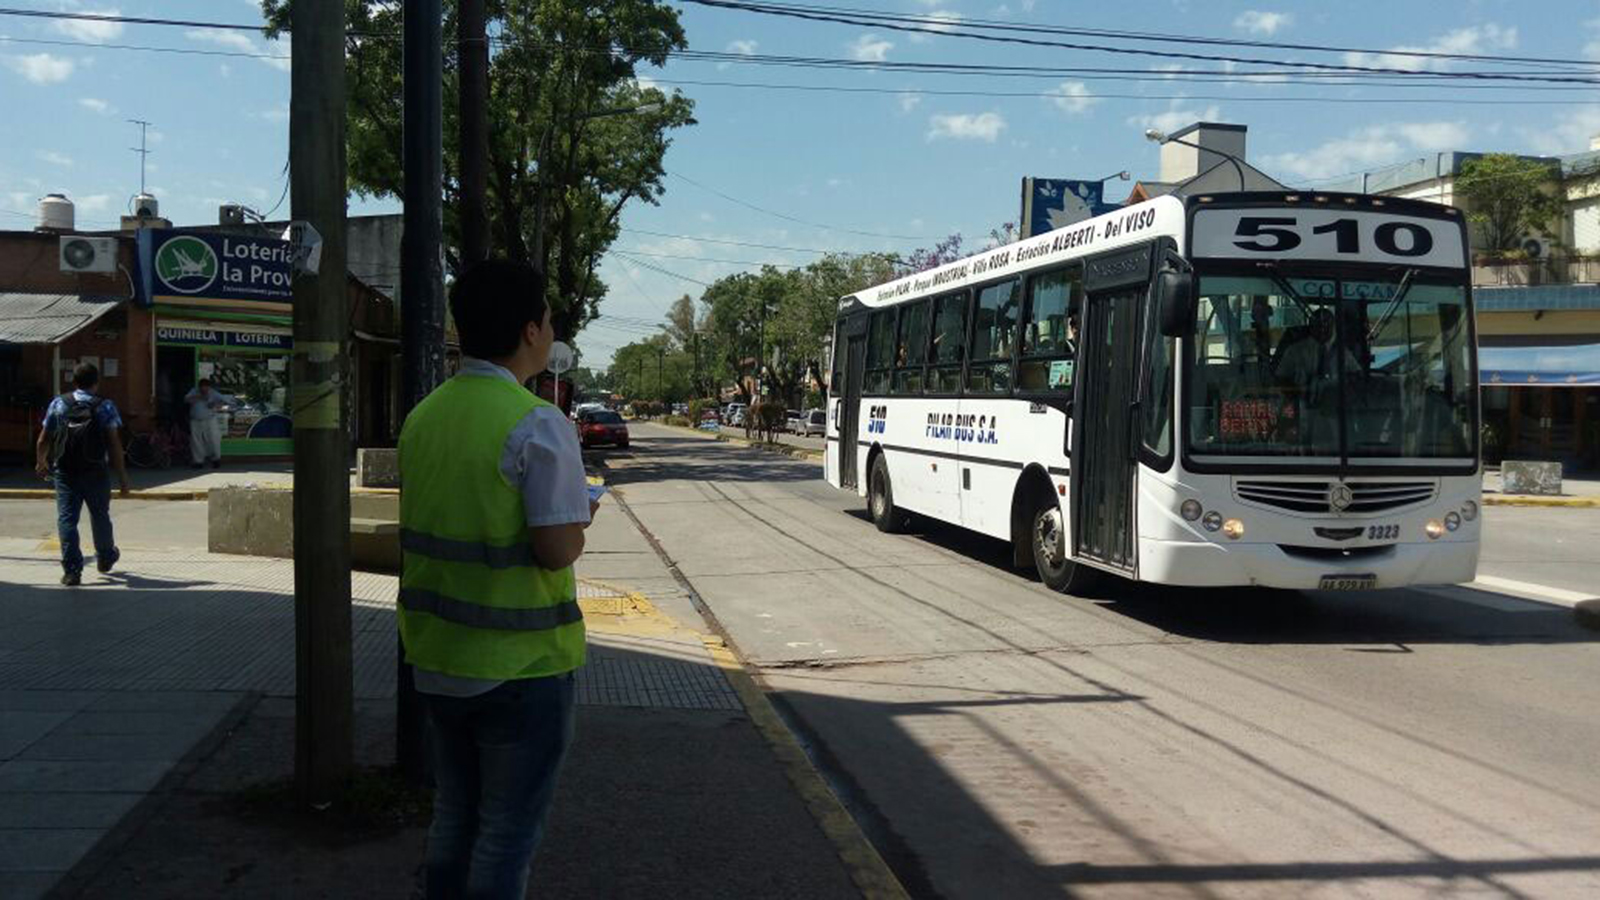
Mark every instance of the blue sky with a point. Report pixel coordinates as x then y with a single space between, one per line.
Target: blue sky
880 161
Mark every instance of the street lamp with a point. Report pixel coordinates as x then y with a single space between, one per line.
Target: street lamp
1159 137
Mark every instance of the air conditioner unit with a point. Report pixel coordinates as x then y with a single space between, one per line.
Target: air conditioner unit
1536 248
88 254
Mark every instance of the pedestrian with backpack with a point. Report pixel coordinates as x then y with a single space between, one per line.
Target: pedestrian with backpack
80 441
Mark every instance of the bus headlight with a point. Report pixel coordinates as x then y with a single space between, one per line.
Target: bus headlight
1433 529
1191 510
1451 521
1233 528
1469 510
1212 521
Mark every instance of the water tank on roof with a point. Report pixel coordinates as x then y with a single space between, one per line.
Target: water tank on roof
145 206
55 213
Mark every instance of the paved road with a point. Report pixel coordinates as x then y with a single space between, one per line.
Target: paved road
1000 740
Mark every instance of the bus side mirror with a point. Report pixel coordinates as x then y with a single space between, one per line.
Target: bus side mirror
1175 294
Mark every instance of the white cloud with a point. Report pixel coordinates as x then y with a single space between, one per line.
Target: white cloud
1256 21
94 203
966 126
908 101
870 48
1592 48
1176 116
745 47
272 53
41 68
1369 147
94 105
1072 97
944 19
1473 39
1568 133
225 70
91 31
278 113
54 158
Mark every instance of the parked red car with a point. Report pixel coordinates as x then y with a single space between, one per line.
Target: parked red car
601 426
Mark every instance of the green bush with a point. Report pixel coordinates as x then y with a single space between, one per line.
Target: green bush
681 421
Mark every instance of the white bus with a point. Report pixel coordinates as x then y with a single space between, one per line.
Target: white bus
1272 389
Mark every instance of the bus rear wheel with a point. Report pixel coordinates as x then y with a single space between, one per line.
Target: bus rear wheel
880 499
1050 558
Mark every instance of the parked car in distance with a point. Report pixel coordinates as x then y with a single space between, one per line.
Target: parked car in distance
814 422
734 415
601 426
792 420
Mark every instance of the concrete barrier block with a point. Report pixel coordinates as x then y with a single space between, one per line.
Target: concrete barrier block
1527 477
259 521
378 467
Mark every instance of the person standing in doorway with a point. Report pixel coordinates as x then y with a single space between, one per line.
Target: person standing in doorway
205 428
493 507
80 441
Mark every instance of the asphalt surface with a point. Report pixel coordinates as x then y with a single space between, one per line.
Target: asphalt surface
1000 740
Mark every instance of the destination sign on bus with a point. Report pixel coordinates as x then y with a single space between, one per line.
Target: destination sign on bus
1345 235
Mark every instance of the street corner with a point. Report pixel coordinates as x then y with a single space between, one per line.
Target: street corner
611 609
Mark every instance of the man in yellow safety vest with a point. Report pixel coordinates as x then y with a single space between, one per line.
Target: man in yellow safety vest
493 507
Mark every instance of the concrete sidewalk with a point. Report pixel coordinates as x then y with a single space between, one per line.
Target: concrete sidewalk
179 483
135 708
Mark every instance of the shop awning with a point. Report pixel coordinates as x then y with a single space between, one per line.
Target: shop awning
1575 365
49 318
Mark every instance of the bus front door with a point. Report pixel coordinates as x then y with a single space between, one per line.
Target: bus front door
849 416
1102 452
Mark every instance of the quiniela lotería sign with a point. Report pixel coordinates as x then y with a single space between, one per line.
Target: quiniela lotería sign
177 265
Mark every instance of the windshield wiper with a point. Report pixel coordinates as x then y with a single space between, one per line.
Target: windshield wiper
1394 304
1288 289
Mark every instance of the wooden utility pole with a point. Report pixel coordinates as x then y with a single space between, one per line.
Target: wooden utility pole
421 284
318 378
472 47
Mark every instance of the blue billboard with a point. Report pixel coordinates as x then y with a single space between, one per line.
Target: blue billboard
178 266
1051 203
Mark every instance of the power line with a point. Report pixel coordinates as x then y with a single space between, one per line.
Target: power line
950 28
789 218
1057 95
730 262
690 237
655 268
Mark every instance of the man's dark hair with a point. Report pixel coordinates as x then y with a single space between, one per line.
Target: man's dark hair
491 302
86 375
204 382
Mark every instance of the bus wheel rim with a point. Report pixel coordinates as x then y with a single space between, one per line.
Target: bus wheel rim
1047 536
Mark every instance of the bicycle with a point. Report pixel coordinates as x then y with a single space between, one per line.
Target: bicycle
159 449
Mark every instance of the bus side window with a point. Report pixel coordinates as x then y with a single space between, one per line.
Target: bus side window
949 340
1049 332
994 330
911 348
880 351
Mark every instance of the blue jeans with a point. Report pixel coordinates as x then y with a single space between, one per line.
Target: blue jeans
73 492
495 758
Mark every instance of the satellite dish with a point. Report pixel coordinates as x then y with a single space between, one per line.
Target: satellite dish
561 357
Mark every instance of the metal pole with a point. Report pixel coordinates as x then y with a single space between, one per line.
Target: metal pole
421 283
472 48
323 670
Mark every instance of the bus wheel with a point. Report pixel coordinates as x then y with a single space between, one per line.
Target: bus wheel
1056 569
880 499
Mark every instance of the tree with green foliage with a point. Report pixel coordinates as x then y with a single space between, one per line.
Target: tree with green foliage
1509 198
550 136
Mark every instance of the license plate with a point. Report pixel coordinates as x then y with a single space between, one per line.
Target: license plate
1348 582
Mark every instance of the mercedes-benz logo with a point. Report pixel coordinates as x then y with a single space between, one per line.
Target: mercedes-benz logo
1339 497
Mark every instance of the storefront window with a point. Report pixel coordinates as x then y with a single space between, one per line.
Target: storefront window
259 383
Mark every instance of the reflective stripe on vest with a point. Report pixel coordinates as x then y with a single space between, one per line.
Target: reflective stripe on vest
476 615
491 555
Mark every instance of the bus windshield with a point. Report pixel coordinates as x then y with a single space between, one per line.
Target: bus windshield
1330 368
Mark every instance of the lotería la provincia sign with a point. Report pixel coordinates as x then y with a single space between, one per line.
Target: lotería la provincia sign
178 265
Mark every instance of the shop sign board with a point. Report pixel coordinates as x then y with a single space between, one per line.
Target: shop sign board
203 336
178 265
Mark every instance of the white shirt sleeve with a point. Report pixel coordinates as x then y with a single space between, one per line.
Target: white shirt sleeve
543 459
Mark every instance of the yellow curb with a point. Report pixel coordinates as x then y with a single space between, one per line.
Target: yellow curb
1568 502
49 494
867 868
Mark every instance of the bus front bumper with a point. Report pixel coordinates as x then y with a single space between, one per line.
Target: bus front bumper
1196 564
